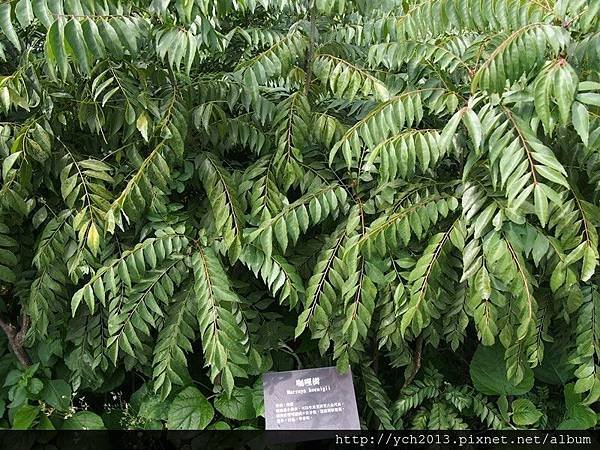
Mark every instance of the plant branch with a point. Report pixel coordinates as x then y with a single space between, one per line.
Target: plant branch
16 338
416 362
311 48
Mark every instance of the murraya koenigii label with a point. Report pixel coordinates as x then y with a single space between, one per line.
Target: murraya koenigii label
310 399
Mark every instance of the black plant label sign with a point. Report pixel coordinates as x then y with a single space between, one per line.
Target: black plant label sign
310 399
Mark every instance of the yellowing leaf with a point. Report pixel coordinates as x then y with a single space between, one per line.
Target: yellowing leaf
541 204
590 261
142 125
93 238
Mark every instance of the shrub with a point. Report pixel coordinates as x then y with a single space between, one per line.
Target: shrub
197 192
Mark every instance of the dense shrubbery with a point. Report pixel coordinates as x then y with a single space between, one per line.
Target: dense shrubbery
197 192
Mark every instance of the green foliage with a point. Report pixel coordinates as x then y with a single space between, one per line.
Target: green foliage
189 410
490 378
197 192
524 412
220 320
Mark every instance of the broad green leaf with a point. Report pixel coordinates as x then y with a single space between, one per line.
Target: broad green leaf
555 368
83 420
488 373
524 412
189 411
238 406
153 408
57 393
219 426
24 417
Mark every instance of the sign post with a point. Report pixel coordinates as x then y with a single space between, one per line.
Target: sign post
310 399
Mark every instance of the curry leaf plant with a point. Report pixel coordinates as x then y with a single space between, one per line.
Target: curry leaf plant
196 192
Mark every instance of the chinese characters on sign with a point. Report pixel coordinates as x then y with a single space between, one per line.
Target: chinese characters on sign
288 413
311 399
301 382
